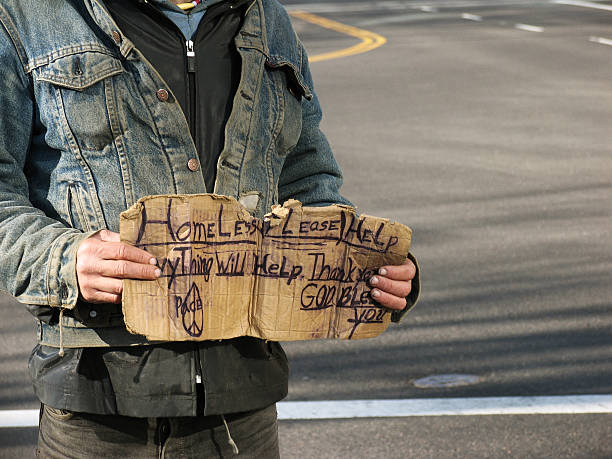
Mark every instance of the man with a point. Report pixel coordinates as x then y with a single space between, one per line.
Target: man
104 102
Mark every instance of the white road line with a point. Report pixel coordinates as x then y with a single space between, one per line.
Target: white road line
601 40
446 407
348 409
19 418
528 28
428 9
471 17
597 6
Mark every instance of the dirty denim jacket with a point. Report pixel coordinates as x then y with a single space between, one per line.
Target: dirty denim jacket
87 127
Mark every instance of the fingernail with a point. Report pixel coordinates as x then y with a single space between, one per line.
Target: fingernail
382 271
157 272
373 280
375 293
153 261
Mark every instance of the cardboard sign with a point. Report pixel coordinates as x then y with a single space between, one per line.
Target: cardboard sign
300 273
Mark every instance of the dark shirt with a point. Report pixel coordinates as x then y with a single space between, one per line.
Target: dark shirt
204 85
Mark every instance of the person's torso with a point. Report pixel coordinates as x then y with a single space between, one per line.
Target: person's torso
110 130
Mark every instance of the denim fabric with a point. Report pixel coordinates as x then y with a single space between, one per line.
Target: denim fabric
66 434
84 133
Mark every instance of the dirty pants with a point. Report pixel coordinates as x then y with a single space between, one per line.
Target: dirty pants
66 434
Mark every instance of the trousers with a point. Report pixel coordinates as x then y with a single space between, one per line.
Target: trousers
73 435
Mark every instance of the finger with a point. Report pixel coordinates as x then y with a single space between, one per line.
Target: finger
405 271
103 297
388 300
124 269
394 287
122 251
105 284
109 236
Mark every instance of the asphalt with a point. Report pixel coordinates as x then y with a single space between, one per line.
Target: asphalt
493 143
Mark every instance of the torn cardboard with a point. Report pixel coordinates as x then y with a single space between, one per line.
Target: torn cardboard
300 273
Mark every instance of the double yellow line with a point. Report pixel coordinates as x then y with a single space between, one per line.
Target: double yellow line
369 40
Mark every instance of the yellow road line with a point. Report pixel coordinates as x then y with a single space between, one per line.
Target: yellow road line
369 40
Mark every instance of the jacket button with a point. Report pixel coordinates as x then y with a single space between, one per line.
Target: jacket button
162 95
93 313
193 165
116 37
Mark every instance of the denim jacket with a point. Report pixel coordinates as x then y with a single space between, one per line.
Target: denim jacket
88 126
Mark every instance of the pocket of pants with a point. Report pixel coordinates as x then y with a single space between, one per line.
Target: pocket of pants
60 415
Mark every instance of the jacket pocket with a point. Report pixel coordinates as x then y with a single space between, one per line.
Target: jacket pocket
289 94
57 414
81 70
75 208
81 98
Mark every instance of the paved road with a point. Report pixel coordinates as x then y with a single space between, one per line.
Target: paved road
485 126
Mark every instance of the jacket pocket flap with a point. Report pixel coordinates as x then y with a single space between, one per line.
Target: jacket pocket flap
294 77
79 71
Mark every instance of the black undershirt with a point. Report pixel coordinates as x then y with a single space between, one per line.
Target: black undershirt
205 93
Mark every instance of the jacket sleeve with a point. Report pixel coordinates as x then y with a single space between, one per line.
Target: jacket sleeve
37 253
411 300
310 173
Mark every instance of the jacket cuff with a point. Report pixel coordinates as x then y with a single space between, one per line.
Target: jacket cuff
411 299
61 278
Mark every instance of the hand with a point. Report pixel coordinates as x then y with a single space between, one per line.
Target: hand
102 261
393 284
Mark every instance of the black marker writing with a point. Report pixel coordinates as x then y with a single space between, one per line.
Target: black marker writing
366 316
191 311
266 267
321 270
232 265
316 297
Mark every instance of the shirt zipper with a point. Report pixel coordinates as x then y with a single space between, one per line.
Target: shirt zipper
190 56
198 364
191 119
191 68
